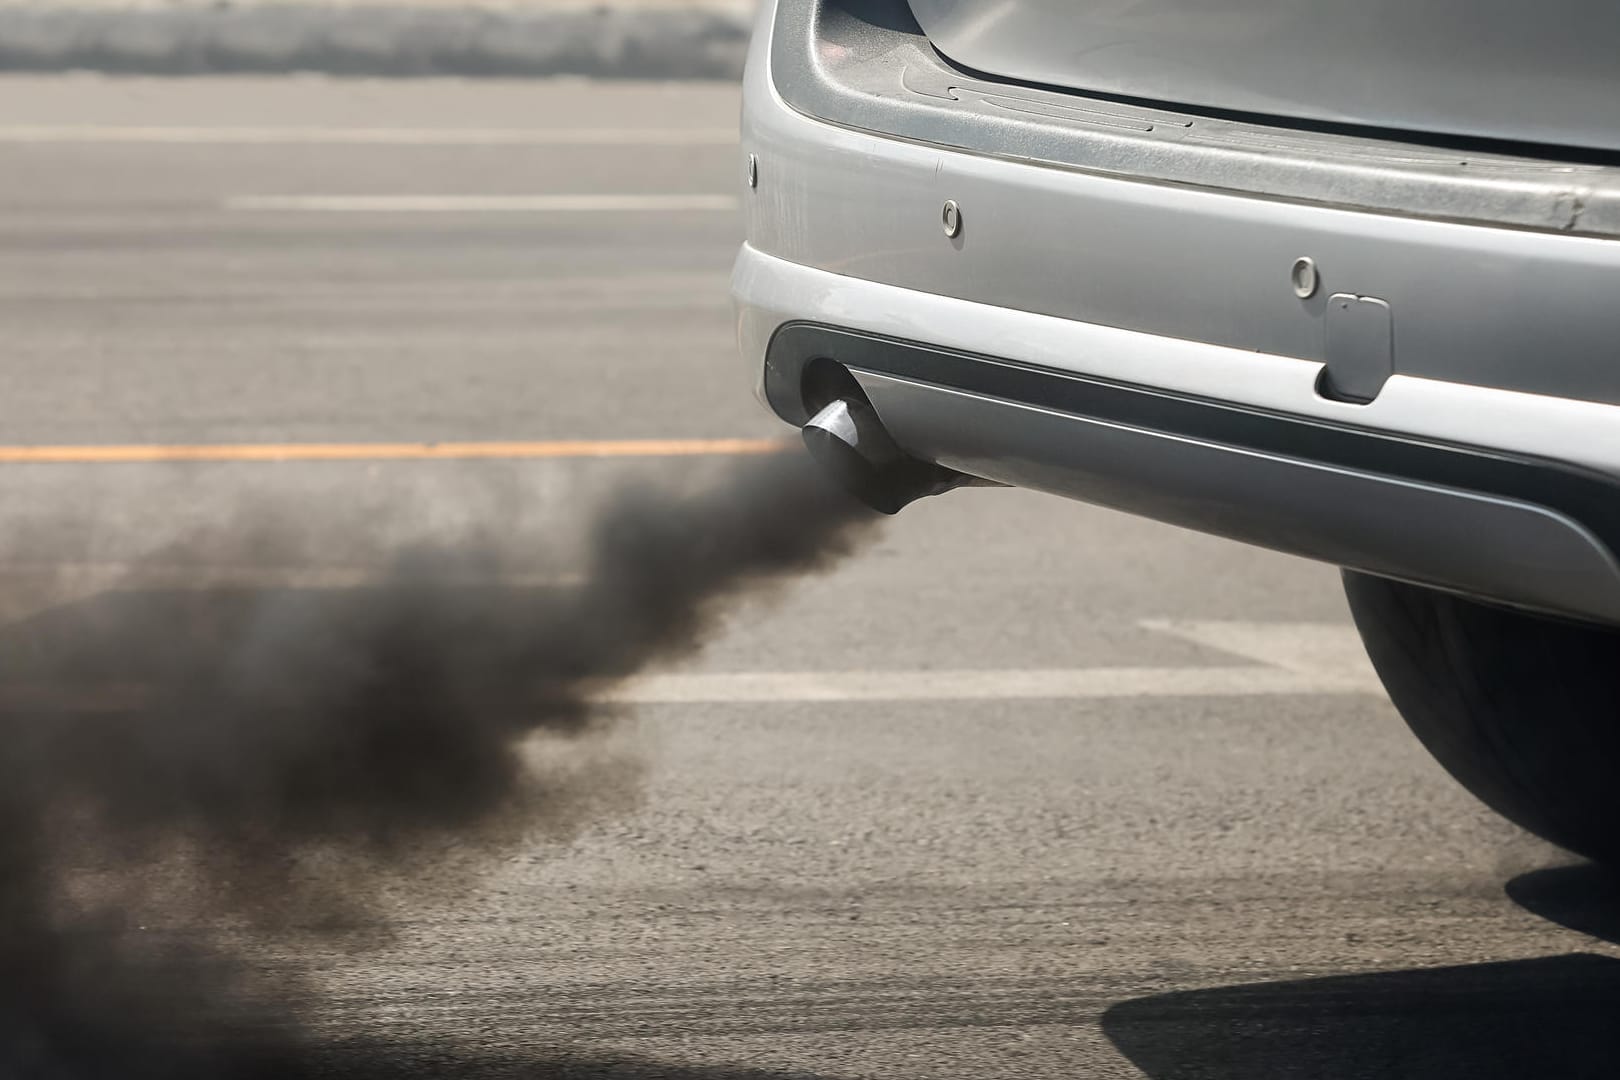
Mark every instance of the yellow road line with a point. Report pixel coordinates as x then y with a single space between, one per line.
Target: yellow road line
581 448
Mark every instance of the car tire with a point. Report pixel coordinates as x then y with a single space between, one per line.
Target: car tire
1523 710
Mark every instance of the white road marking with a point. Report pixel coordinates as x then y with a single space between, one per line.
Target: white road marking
1068 684
452 204
972 685
373 136
1294 658
1327 652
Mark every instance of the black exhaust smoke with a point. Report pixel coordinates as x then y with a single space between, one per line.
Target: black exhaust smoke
265 762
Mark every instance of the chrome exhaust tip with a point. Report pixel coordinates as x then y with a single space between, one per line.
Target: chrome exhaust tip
848 440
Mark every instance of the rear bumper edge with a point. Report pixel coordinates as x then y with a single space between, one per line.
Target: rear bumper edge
1501 523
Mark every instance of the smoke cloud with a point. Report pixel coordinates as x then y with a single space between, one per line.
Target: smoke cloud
267 762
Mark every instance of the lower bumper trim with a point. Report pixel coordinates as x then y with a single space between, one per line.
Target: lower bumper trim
1501 526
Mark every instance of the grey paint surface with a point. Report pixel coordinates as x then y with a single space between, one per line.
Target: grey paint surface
772 291
1496 307
865 64
932 890
1504 69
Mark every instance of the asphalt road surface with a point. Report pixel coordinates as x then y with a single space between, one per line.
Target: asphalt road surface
1021 789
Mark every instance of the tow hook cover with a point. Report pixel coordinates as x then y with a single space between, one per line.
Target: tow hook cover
1360 347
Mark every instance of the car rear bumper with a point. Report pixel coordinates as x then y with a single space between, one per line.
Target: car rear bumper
1500 403
1506 525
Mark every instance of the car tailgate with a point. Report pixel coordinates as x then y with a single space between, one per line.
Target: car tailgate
1541 73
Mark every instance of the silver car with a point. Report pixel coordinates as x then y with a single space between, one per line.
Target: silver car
1340 280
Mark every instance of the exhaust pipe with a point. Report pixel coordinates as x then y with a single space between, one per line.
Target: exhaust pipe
848 440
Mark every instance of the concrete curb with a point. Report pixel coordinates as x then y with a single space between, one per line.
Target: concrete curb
644 41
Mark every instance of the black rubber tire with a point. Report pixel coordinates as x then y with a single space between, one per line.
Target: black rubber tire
1523 710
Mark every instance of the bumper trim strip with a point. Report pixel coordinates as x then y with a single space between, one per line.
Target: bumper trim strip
1497 487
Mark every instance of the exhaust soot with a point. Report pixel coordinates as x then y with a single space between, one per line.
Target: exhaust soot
187 767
